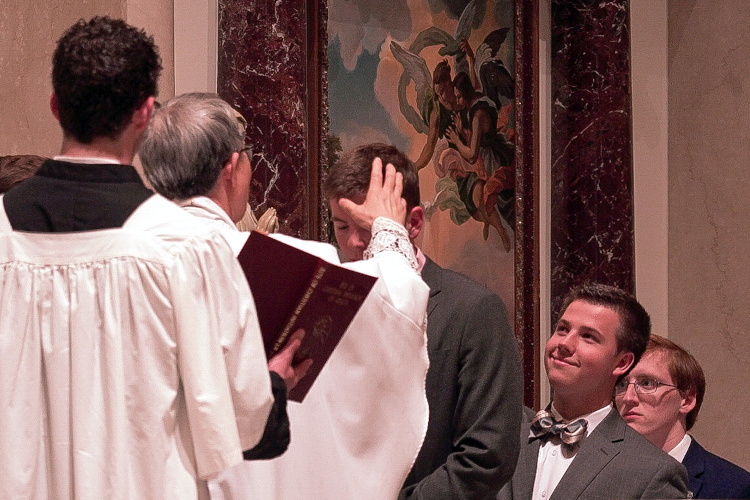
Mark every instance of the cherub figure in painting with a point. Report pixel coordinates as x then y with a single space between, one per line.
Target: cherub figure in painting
469 140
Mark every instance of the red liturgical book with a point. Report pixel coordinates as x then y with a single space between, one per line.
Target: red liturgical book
295 289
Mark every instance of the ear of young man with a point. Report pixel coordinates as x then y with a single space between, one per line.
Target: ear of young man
624 363
414 222
687 402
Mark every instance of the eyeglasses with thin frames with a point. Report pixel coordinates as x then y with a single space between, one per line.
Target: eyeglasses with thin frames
642 386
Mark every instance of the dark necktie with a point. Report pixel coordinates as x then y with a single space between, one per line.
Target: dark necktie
545 425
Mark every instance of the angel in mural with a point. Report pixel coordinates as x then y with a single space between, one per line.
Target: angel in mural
486 185
435 96
473 159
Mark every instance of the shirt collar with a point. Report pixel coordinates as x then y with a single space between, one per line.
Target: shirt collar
679 451
594 418
421 259
103 172
88 160
208 206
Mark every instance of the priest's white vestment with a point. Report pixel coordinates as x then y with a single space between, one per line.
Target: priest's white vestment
130 359
359 429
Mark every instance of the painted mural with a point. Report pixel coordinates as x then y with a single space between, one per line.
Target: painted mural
436 79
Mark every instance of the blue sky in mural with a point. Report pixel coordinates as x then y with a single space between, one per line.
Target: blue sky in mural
351 95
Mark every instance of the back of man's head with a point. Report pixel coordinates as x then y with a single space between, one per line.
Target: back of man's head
102 71
635 323
187 143
349 178
684 369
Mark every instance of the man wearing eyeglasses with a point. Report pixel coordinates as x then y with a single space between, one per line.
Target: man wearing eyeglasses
579 447
660 399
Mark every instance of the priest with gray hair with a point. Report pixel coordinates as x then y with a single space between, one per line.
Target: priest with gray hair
360 428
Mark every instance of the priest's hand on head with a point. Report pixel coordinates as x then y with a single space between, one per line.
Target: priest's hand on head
383 198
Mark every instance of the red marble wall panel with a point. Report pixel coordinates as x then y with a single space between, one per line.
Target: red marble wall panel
263 68
592 202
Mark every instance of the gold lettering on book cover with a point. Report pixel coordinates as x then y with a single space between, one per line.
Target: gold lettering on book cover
303 301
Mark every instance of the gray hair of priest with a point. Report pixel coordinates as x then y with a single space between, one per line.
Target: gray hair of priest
187 143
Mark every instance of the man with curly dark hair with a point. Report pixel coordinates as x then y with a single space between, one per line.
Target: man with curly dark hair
101 72
131 360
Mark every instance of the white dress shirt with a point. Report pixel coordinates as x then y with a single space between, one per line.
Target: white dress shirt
555 457
681 449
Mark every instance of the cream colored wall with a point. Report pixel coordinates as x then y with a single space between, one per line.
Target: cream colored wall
195 45
648 39
29 30
709 209
691 125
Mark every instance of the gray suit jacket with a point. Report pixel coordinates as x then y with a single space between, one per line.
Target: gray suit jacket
474 388
614 462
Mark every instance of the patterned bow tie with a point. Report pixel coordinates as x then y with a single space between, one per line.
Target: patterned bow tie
545 425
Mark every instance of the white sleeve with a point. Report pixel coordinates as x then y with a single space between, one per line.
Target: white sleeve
360 428
388 235
373 388
222 364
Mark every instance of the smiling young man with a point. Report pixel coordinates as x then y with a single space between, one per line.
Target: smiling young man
600 335
660 399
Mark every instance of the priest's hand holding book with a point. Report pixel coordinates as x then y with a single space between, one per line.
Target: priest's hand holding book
284 364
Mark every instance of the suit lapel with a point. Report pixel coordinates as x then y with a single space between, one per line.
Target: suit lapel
695 464
523 483
432 277
597 450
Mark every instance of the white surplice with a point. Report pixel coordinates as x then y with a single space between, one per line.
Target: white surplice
130 360
360 428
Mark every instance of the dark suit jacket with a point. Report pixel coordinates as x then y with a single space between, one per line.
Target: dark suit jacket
710 476
614 462
474 389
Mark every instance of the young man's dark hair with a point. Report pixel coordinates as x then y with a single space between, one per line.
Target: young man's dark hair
635 323
102 70
350 177
17 168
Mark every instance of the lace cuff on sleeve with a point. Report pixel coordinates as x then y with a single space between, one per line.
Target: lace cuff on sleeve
388 235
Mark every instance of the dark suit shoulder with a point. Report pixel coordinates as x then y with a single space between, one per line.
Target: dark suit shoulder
474 386
712 476
460 287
